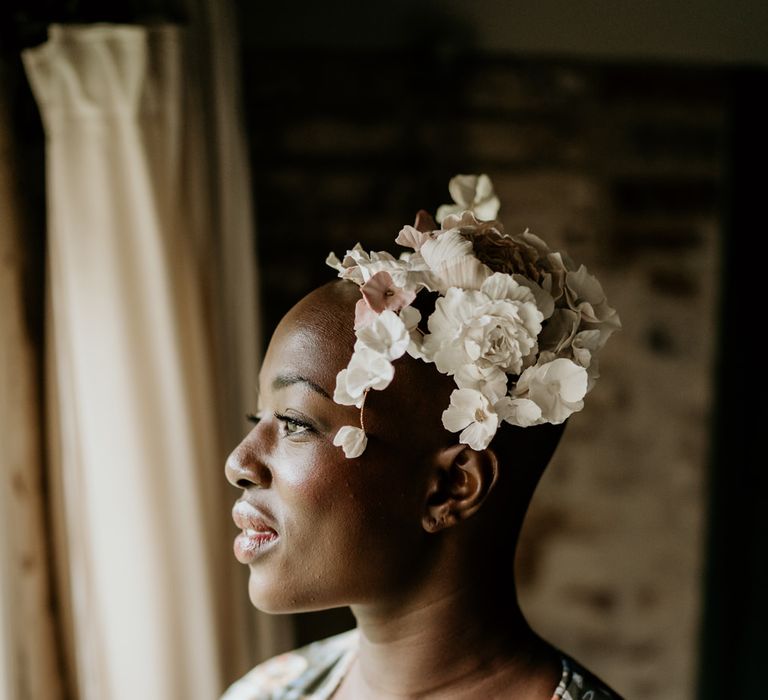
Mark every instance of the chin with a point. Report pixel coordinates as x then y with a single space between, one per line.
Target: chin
281 600
272 598
268 598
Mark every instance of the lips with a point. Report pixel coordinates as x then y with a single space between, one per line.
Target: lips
257 536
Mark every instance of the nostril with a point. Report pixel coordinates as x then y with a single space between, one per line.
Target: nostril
244 471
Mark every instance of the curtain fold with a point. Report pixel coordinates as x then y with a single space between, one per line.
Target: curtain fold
225 177
157 604
29 662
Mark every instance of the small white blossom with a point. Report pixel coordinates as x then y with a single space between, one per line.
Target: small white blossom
471 193
557 388
367 369
411 318
472 414
520 412
387 335
341 395
490 381
352 440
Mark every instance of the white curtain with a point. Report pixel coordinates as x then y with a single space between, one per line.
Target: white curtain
140 412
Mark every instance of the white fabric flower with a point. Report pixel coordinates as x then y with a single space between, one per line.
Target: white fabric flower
453 263
472 414
559 331
557 388
411 318
585 296
471 193
585 344
496 326
387 336
341 395
352 440
358 266
411 237
585 347
367 369
521 412
490 381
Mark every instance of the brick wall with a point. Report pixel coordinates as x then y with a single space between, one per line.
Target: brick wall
620 165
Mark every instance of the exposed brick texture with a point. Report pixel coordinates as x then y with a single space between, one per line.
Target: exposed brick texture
622 167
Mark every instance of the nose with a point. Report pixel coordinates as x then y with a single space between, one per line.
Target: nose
245 471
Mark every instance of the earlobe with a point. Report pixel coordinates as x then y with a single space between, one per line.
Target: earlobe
461 481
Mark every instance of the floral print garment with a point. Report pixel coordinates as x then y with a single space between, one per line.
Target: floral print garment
315 671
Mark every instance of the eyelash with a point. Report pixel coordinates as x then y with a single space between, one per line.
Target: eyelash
285 420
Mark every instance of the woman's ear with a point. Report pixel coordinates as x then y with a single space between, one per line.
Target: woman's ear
460 482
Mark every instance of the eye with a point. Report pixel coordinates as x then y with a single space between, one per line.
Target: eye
293 426
253 418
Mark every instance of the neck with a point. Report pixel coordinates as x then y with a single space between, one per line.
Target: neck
454 636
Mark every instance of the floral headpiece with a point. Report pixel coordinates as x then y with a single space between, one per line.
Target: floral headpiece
517 325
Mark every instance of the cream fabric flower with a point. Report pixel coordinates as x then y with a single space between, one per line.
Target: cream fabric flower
471 193
453 263
496 326
557 388
472 414
521 412
489 381
367 369
407 273
585 295
411 237
379 294
387 336
352 440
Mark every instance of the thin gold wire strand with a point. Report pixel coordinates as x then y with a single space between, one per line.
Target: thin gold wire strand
362 411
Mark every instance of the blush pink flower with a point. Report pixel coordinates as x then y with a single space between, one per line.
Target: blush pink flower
380 294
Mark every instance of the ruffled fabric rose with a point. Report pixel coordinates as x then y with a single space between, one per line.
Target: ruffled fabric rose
496 326
471 193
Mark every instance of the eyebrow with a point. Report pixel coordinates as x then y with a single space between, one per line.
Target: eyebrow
284 380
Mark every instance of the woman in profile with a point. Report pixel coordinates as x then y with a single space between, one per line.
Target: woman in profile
406 415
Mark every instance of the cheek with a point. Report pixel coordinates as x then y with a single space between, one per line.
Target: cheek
351 527
325 508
